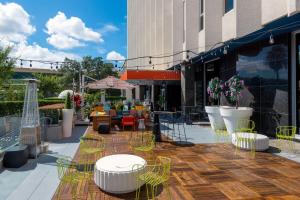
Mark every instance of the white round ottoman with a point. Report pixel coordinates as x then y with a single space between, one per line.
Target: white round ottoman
261 141
114 173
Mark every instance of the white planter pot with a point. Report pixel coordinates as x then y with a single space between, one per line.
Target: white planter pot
231 116
67 122
215 118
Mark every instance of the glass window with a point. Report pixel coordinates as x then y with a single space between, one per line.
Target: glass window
229 5
201 22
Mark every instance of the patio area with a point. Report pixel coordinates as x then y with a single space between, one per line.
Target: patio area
206 171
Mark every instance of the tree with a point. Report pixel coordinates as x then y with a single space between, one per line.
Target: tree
6 65
49 85
277 58
92 67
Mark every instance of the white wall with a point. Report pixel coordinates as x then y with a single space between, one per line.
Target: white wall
248 16
213 11
229 25
177 29
192 24
273 9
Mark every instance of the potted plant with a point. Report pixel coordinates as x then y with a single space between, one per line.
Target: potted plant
232 115
214 91
77 104
138 105
67 117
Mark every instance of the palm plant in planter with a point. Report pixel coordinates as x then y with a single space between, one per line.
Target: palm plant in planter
231 115
214 91
68 117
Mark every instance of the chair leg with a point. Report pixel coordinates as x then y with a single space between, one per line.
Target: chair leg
147 191
184 132
59 189
166 186
179 134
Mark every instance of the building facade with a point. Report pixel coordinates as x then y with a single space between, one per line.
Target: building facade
256 39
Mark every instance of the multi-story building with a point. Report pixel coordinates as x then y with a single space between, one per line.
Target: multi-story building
256 39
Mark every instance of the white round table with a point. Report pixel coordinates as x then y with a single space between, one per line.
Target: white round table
114 173
261 141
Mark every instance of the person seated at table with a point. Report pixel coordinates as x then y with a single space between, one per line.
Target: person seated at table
99 108
148 121
115 118
133 113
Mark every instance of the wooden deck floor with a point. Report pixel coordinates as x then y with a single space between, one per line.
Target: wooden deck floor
209 172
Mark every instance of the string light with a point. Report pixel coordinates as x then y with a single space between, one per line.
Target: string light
187 56
116 65
21 62
271 41
225 50
51 66
252 37
150 62
56 65
30 63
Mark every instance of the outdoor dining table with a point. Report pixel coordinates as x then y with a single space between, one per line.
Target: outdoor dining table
97 118
156 126
117 173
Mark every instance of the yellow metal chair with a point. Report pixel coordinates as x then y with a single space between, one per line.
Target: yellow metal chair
285 136
143 143
153 176
67 174
221 134
245 126
91 148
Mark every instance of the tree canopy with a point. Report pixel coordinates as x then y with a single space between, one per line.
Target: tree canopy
93 67
6 65
49 85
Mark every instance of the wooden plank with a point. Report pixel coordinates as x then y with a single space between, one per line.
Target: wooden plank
211 171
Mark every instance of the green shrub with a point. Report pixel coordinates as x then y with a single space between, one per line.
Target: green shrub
68 101
53 114
16 107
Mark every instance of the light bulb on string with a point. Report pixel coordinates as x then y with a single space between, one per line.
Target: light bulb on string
21 63
187 56
116 64
150 62
51 66
30 63
56 65
153 67
225 51
271 41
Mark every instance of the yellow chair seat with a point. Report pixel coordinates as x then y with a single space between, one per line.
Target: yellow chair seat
91 150
152 178
148 148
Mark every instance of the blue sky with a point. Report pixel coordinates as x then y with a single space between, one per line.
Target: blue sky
61 28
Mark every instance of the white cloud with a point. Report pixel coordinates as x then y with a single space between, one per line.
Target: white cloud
72 29
15 23
64 42
109 28
36 52
15 28
114 56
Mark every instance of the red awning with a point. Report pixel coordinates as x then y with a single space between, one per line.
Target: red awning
153 75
